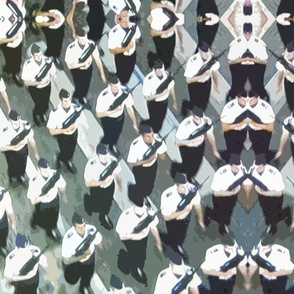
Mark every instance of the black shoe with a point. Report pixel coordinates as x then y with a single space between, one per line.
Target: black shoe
140 276
87 204
57 162
123 262
206 217
36 120
105 222
17 80
272 229
288 219
70 167
222 230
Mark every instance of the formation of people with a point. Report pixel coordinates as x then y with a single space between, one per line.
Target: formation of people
247 116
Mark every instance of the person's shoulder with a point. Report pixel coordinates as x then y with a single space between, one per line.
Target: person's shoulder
28 61
71 46
194 58
68 235
149 76
136 142
115 29
168 192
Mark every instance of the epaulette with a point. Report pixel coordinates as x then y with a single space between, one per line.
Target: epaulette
104 93
263 104
93 162
150 77
72 45
28 61
135 142
187 123
127 212
114 7
162 274
223 171
114 30
194 58
256 40
11 255
168 194
232 104
271 171
5 129
34 178
69 235
239 40
129 292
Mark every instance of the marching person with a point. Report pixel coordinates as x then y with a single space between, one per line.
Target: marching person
16 136
247 59
124 51
46 200
112 119
118 287
79 263
27 281
190 137
101 186
66 135
38 86
134 234
226 185
199 83
143 165
120 6
4 98
157 95
6 216
177 217
82 71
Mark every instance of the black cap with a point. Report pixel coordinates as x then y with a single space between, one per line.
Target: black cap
80 6
77 219
247 27
157 64
180 178
145 129
116 282
247 9
101 149
235 159
113 79
290 46
21 241
82 31
43 163
260 159
13 115
137 200
197 111
174 257
203 46
64 94
35 49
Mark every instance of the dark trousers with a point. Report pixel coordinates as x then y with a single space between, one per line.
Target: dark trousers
199 94
255 77
289 91
112 128
234 141
157 112
67 145
27 286
46 214
124 66
12 58
3 230
218 286
82 80
80 270
41 99
145 178
17 162
95 19
191 161
277 286
260 141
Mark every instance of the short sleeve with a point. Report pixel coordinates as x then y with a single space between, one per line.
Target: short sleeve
262 54
8 203
132 156
98 239
51 124
197 199
129 102
233 52
100 105
66 250
112 42
87 173
189 71
154 223
69 57
280 67
162 149
215 67
2 85
138 33
165 208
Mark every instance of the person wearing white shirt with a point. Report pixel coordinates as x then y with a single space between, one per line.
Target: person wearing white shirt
79 264
4 98
225 186
39 89
192 146
66 136
170 277
247 59
112 120
134 235
120 5
17 258
158 102
101 189
270 194
125 57
286 75
16 153
46 204
177 217
6 214
143 165
199 86
118 287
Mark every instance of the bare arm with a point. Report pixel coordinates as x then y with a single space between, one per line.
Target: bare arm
155 234
131 113
283 140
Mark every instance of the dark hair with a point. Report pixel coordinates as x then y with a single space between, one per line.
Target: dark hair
35 49
247 27
63 94
13 115
203 46
77 219
290 46
144 129
247 9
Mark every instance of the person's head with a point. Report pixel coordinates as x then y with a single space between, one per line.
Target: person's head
147 133
176 263
138 202
247 30
158 67
81 35
123 19
247 7
14 119
244 96
65 98
44 167
114 84
79 223
181 181
204 49
197 114
289 52
21 241
36 52
102 151
115 282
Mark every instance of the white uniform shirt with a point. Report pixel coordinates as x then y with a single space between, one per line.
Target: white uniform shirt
195 63
74 52
2 85
170 199
159 19
94 168
223 179
281 19
231 111
139 147
116 36
272 179
37 183
61 21
291 120
119 5
59 115
264 111
151 83
5 203
31 68
187 127
17 258
8 133
127 222
125 290
106 98
216 256
288 75
166 280
71 240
